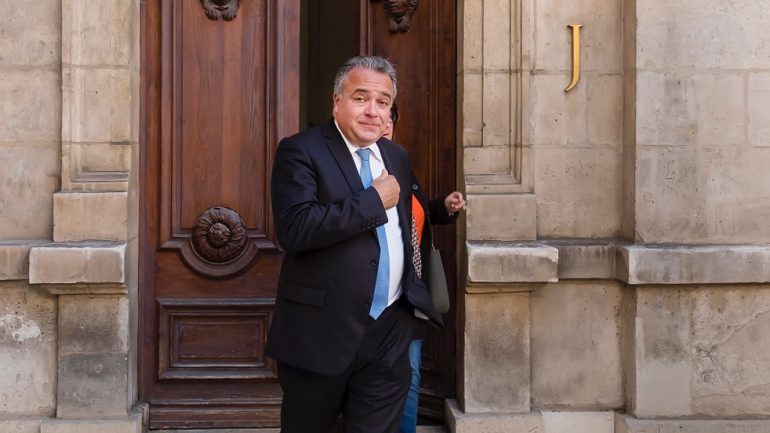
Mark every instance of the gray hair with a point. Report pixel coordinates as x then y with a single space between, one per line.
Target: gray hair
374 63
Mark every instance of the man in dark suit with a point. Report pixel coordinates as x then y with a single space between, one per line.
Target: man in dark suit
347 293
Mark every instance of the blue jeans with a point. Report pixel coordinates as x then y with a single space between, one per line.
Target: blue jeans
408 422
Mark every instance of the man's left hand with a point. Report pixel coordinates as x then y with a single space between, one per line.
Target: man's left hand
454 202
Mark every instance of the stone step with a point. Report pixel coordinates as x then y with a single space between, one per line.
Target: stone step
420 429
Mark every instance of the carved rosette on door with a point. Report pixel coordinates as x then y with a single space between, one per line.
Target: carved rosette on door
225 9
219 245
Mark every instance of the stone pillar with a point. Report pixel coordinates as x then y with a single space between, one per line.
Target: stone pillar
496 353
86 266
696 135
539 163
93 357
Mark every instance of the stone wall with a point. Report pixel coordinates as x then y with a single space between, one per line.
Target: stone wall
702 124
701 351
575 345
69 114
30 117
617 261
576 136
30 149
27 357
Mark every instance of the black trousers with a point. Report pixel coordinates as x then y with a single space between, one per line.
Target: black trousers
369 394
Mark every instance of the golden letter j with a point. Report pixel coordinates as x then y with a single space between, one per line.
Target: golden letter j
575 56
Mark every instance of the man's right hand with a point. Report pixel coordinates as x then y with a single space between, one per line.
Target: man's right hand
387 186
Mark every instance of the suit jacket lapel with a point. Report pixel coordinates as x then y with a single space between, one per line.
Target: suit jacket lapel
344 159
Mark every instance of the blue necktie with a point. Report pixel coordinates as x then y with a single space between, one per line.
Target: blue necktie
380 300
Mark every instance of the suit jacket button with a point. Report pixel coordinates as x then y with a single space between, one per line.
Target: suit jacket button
415 187
374 262
367 306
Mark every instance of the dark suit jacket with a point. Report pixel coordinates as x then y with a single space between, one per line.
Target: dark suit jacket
325 222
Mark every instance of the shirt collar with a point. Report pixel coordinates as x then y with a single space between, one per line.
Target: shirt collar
352 148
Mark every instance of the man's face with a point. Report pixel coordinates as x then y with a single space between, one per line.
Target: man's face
363 108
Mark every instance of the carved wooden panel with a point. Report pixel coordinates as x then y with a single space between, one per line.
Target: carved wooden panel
217 96
192 343
216 131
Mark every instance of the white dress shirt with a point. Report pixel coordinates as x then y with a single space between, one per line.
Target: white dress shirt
392 227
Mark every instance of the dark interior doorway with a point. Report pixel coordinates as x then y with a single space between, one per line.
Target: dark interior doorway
328 37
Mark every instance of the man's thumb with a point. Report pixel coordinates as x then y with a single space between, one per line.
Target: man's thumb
384 173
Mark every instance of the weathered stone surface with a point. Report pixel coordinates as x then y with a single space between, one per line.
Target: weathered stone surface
37 33
557 118
731 351
498 262
628 424
80 216
27 352
681 108
666 111
600 35
664 367
758 114
732 35
720 101
497 109
30 110
89 262
96 102
585 259
131 424
578 192
472 84
472 46
605 109
91 159
92 385
702 352
497 34
420 429
93 324
579 422
14 259
694 264
462 422
681 199
575 346
97 34
488 160
28 177
507 217
496 357
20 426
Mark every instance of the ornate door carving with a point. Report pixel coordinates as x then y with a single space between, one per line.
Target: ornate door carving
218 94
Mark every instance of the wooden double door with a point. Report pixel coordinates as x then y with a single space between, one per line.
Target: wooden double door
222 81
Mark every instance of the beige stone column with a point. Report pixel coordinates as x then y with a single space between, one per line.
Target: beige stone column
494 355
539 164
697 189
86 265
